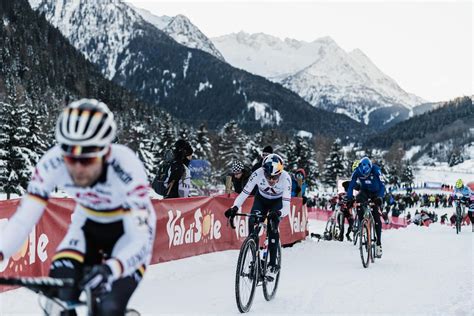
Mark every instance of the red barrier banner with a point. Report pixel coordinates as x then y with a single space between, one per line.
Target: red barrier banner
323 215
185 227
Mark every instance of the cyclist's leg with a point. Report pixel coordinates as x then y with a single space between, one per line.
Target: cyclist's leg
362 197
257 208
378 222
350 220
115 302
272 230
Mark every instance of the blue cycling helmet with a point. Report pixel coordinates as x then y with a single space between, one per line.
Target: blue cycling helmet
365 166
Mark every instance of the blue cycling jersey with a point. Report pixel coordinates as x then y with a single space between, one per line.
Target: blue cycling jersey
372 183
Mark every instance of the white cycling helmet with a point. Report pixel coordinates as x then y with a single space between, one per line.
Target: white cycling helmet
272 165
85 128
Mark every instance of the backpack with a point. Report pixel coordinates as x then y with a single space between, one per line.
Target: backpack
159 183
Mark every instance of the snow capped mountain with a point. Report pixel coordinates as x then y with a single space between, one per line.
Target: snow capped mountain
184 32
181 30
190 84
159 21
323 74
98 22
266 55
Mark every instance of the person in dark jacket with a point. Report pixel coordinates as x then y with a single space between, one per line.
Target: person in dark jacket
267 150
240 175
371 188
178 181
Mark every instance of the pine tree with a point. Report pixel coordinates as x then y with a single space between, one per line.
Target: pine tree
231 146
455 158
201 143
300 154
407 176
15 166
334 165
144 148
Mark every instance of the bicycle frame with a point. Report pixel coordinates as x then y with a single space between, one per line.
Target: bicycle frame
258 225
43 286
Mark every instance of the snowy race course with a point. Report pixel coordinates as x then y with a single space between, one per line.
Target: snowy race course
424 271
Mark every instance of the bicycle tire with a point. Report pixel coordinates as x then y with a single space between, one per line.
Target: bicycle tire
338 226
458 219
248 245
355 230
270 288
373 240
364 243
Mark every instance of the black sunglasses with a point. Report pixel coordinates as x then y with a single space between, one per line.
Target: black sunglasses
275 177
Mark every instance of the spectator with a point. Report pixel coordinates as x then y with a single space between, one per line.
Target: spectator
239 175
178 182
298 184
266 151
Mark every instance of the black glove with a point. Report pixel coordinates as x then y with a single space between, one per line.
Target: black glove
274 215
231 212
99 279
378 201
305 200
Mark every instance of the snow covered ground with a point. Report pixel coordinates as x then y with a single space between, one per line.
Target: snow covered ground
424 271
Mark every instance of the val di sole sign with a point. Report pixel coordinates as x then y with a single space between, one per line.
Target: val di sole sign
185 228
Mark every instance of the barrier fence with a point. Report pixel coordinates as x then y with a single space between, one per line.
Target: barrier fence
185 227
323 215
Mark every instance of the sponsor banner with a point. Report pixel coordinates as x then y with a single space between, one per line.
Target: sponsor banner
185 227
199 169
433 185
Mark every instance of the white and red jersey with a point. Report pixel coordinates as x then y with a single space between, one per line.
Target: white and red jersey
282 189
120 194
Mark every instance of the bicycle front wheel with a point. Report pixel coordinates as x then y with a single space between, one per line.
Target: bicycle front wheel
364 243
355 230
246 275
270 286
458 219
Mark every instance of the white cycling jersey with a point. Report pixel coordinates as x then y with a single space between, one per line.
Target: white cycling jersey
120 194
282 189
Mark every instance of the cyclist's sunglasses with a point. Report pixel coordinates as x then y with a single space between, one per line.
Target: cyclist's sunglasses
85 161
276 177
83 155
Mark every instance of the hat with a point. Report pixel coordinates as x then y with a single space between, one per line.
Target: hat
183 147
268 149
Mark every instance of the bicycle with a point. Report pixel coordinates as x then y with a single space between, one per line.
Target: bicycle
367 237
252 265
48 287
333 230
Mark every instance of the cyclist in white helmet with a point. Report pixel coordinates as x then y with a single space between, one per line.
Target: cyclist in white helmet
273 198
110 239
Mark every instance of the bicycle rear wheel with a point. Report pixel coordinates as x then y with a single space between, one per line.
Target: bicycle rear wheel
338 226
364 243
246 275
373 241
270 286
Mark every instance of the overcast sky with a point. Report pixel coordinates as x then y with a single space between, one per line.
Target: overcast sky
427 47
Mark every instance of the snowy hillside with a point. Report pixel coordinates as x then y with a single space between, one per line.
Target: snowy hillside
322 73
91 30
424 271
181 30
